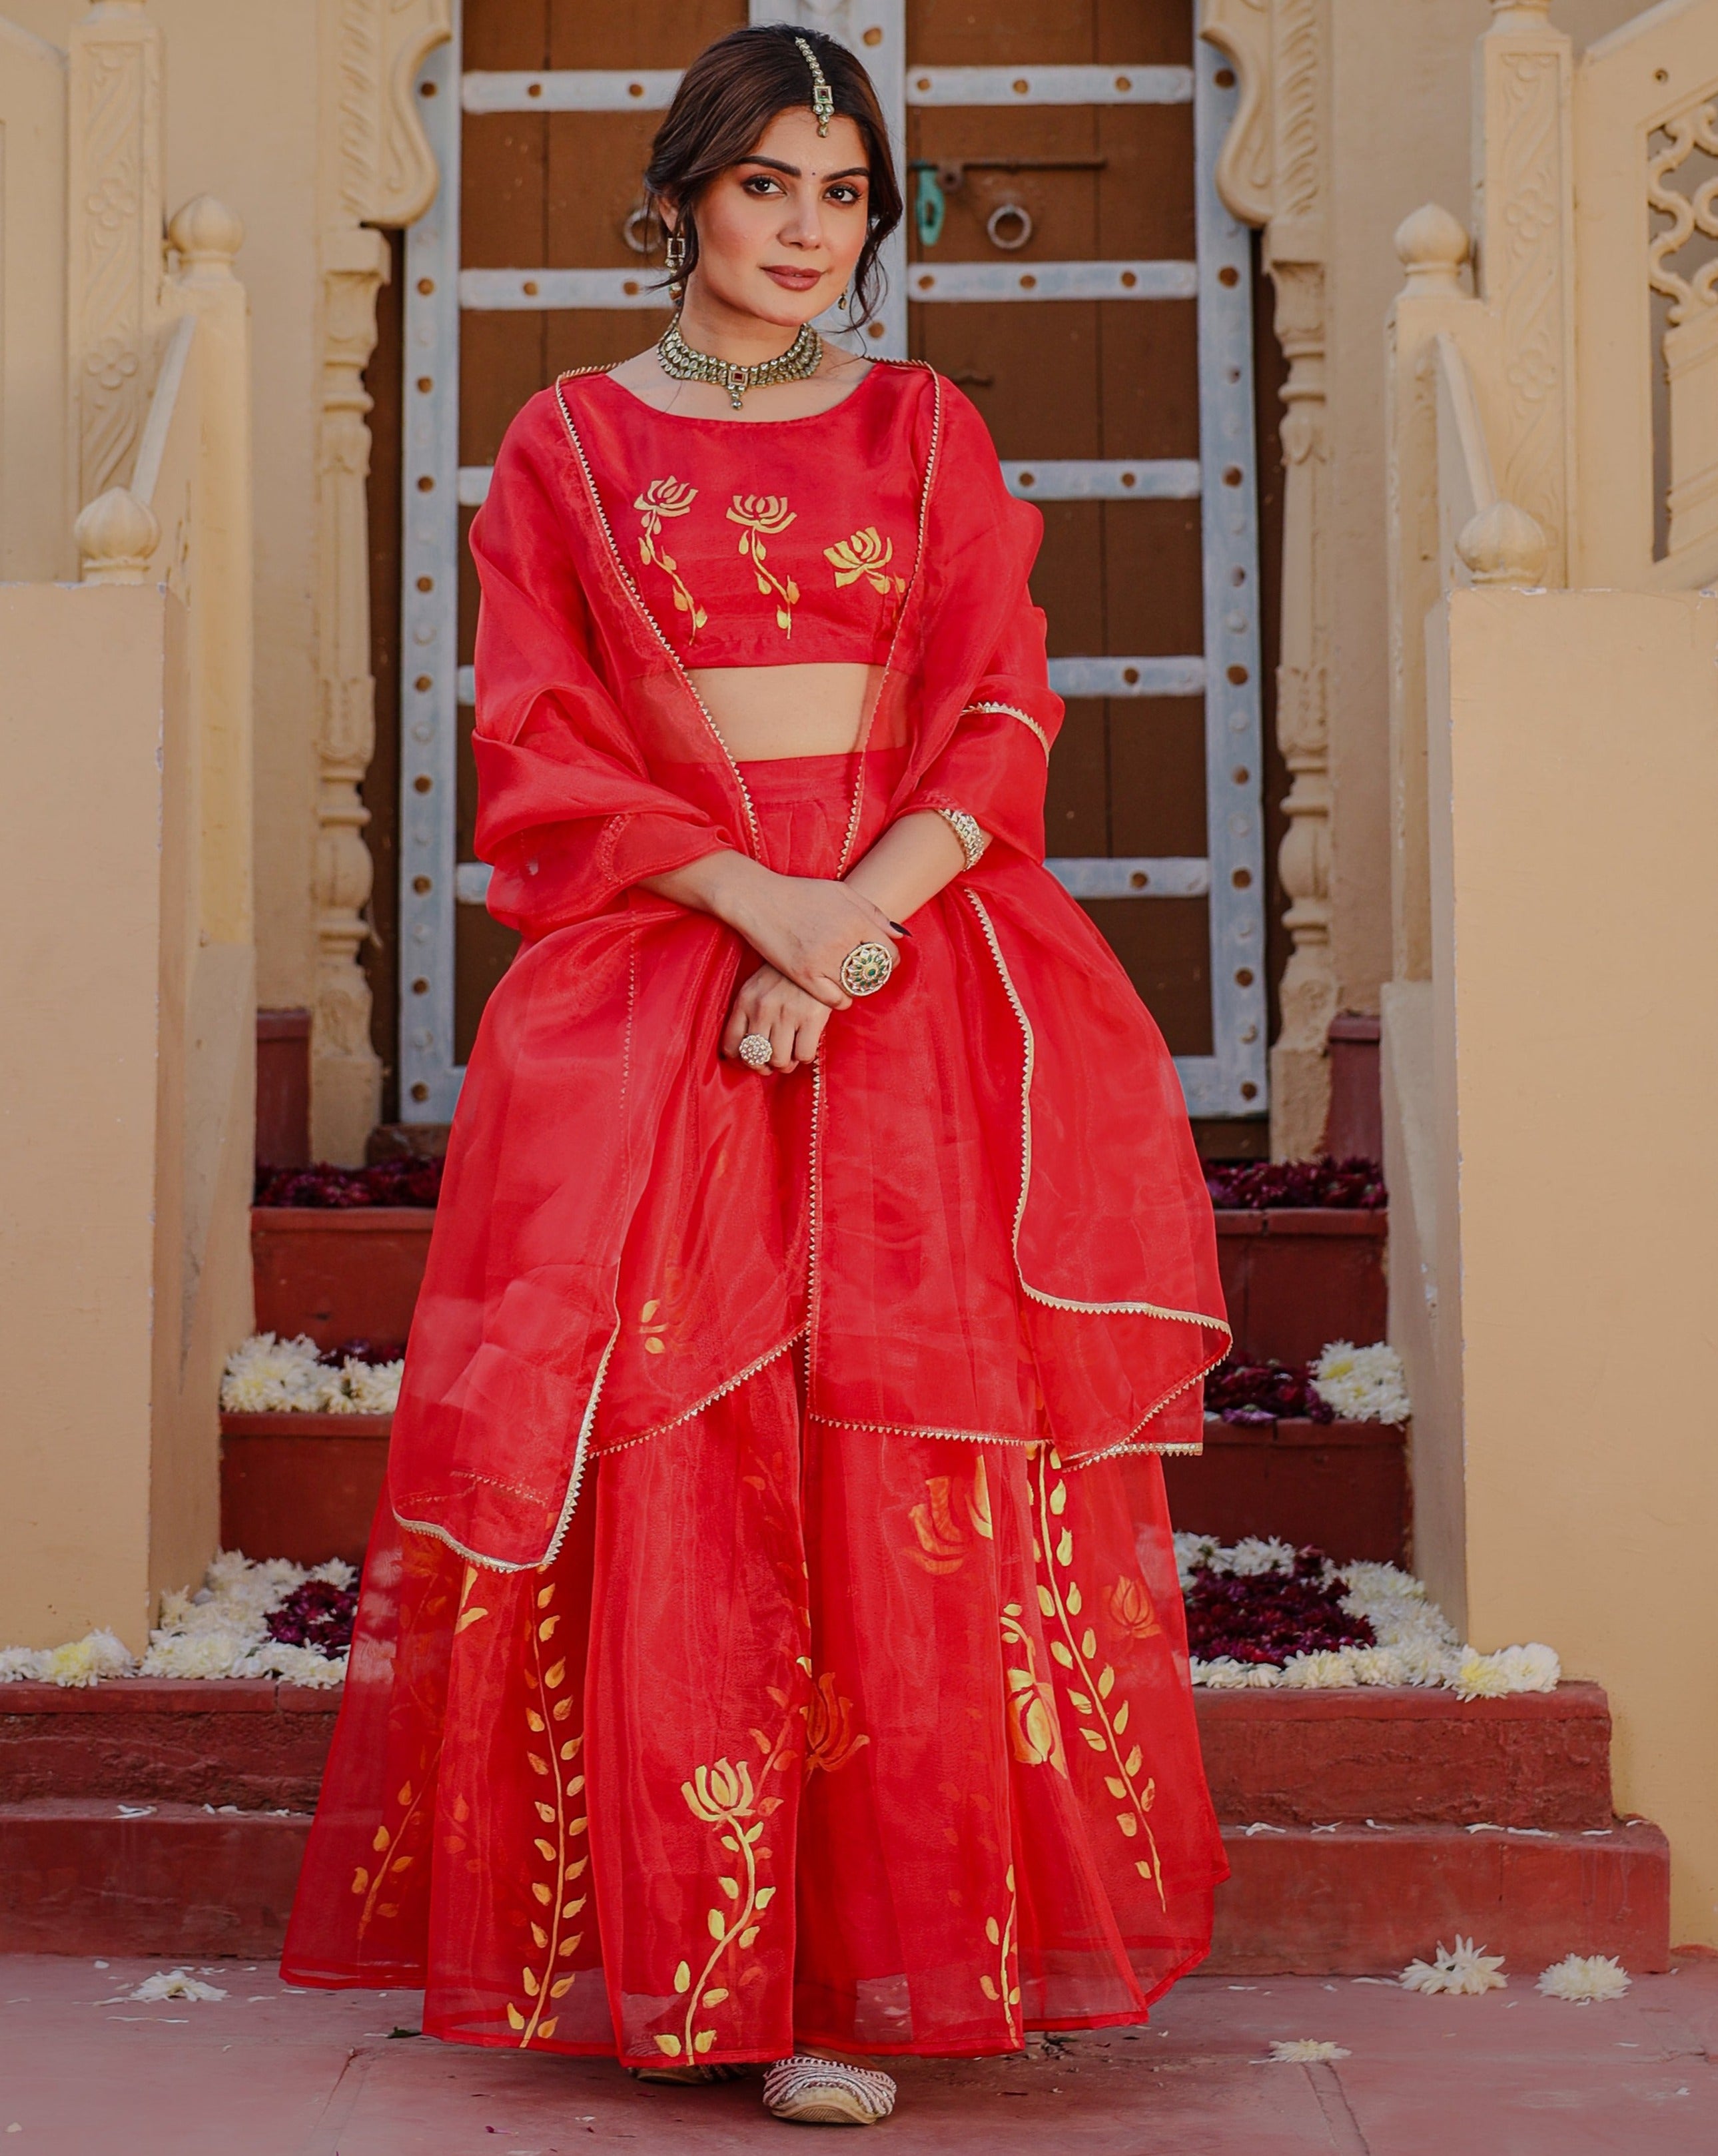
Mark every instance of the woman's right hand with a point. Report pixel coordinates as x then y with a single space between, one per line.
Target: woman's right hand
803 925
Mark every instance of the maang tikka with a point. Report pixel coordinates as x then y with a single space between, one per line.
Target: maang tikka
822 97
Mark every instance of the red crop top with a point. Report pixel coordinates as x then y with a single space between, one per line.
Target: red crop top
759 542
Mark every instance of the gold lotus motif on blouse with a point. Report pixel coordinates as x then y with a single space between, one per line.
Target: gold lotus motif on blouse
661 499
864 554
756 514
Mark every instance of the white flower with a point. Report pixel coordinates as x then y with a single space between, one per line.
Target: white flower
365 1389
1511 1669
1332 1669
1362 1384
175 1983
1467 1971
1584 1977
1303 2051
267 1376
87 1661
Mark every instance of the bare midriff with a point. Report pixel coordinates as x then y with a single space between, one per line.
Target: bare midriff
766 712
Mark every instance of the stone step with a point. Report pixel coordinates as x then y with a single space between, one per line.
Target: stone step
303 1487
1409 1757
248 1742
114 1837
1342 1486
1358 1900
78 1875
1297 1278
1401 1755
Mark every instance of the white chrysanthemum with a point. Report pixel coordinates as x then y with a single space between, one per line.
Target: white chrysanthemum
363 1389
86 1661
268 1376
1585 1978
215 1652
1511 1670
1254 1555
1224 1673
1362 1384
336 1572
1304 2052
175 1983
1467 1971
298 1666
1331 1669
18 1664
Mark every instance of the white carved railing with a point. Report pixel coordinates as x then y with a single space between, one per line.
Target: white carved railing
1646 124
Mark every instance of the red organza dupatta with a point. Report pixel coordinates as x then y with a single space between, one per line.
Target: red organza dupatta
982 1211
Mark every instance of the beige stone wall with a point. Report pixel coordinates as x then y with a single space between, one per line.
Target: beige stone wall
123 1172
241 123
1401 100
1574 1044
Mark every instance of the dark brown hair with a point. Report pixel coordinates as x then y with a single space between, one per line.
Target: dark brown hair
727 99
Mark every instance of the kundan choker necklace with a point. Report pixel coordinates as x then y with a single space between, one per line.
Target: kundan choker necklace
683 364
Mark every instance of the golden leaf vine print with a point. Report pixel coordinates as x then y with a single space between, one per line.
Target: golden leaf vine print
759 515
661 499
553 1754
722 1796
1004 1986
1088 1681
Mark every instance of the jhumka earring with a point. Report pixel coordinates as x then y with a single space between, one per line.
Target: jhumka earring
674 261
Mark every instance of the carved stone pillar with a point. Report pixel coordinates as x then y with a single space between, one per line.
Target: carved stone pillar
1300 1074
116 255
1273 172
376 170
346 1073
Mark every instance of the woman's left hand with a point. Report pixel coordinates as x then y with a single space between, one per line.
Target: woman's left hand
786 1014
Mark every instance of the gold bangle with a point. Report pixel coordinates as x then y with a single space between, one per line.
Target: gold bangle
966 829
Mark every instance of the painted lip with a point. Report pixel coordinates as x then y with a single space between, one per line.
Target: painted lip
795 281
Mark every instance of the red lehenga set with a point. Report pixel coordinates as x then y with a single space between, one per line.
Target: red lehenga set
771 1634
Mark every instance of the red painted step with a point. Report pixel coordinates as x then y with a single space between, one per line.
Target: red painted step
78 1877
1298 1278
1316 1888
303 1487
246 1741
338 1275
1410 1757
1359 1901
1342 1486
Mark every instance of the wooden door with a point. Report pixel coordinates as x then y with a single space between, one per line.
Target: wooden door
1067 263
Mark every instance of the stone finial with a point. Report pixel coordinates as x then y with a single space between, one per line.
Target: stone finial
206 235
1432 246
1503 544
117 536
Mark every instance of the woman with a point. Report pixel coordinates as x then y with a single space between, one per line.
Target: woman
760 1658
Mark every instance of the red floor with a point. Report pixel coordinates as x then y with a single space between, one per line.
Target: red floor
270 2072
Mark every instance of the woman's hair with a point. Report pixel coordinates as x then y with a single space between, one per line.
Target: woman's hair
727 99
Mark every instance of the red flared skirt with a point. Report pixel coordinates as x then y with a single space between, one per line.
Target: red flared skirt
804 1737
810 1734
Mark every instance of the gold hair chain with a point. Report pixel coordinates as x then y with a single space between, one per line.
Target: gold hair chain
822 97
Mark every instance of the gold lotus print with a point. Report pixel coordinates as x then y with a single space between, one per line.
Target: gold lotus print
760 515
830 1738
723 1796
940 1537
1034 1727
864 554
553 1754
662 499
1088 1680
1131 1609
